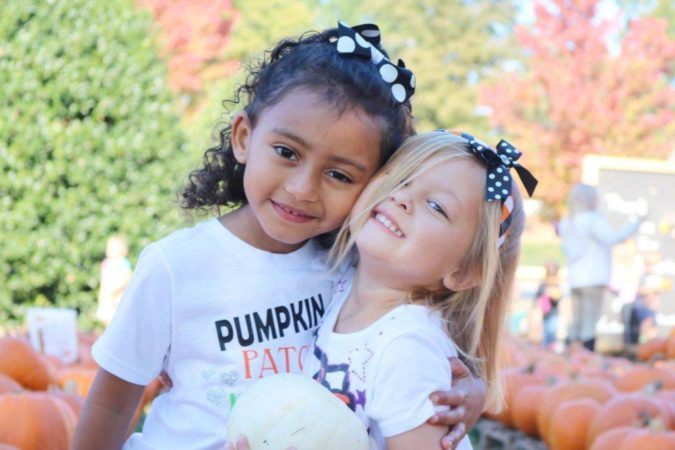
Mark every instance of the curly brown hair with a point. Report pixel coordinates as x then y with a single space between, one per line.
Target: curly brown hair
309 62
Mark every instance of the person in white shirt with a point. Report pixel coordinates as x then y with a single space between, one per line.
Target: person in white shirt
587 241
435 261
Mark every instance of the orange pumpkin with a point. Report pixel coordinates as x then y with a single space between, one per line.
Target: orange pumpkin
582 356
649 439
601 371
84 344
641 375
55 362
617 366
668 399
595 389
74 401
670 345
76 379
18 360
8 384
525 407
52 369
36 421
514 381
569 425
611 439
632 409
651 349
553 368
665 364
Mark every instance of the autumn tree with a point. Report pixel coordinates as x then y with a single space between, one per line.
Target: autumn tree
449 44
259 26
193 36
587 86
665 9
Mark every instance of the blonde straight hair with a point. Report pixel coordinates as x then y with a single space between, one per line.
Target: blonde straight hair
475 317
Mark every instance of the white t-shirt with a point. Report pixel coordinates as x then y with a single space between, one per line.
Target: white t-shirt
217 314
385 372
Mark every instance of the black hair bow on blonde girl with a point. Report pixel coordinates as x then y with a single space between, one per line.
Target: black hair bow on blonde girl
362 41
498 162
498 184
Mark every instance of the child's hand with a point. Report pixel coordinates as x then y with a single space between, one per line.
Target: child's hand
466 401
242 444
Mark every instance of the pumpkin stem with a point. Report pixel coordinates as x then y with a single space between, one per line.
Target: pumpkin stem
653 388
657 424
644 418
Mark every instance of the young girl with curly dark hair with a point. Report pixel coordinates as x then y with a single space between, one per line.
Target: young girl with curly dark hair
238 297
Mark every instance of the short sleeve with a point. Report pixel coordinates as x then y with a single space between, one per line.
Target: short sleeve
134 345
411 367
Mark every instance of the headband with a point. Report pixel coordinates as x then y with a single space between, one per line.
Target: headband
498 185
362 41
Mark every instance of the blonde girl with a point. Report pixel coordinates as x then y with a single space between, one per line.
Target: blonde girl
436 263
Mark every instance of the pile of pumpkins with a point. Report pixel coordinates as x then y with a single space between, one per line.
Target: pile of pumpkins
657 349
41 398
585 401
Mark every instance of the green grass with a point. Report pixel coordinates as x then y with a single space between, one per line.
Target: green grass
538 253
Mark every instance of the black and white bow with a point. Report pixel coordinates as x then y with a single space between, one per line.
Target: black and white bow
499 161
362 41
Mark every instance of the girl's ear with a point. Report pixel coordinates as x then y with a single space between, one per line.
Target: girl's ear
457 281
240 134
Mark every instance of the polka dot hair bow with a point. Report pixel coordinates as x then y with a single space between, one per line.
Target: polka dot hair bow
499 161
362 41
498 183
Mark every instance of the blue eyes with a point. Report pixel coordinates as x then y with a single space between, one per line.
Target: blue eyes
432 204
435 205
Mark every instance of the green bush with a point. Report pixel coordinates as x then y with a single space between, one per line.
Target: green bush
90 146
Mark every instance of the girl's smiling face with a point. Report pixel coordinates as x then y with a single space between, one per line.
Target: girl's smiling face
422 231
306 164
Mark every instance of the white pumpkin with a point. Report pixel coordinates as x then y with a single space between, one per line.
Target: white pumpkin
289 410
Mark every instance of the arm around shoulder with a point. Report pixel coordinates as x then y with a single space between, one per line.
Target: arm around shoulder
408 370
107 413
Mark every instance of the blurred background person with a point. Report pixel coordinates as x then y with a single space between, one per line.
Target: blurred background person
642 326
587 241
548 296
115 275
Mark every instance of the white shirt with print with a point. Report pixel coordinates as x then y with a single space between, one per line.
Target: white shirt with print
217 314
385 372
